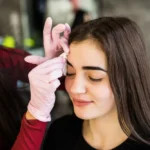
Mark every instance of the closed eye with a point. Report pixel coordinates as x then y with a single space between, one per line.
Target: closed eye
92 79
95 80
70 74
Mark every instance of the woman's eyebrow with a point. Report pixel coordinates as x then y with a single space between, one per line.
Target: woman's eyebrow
89 67
68 63
93 68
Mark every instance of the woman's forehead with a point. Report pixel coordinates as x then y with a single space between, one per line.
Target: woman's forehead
87 53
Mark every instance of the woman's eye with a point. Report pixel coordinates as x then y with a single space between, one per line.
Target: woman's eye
95 80
70 74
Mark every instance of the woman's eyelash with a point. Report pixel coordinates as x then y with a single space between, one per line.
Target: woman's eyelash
70 74
92 79
95 80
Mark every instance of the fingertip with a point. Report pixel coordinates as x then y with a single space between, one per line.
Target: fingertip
68 27
56 83
47 26
49 19
26 58
60 27
64 58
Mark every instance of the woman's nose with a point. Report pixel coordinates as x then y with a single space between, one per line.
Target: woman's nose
78 86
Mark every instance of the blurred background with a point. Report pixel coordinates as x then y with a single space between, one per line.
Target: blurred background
22 21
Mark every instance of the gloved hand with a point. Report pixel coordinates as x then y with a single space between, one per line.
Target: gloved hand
43 84
42 92
52 42
52 38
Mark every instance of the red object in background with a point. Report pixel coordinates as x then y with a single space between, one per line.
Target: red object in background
75 4
12 63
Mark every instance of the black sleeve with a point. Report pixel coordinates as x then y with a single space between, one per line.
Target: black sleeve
50 139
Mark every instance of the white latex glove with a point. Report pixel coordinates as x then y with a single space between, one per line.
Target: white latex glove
43 94
52 42
43 84
52 37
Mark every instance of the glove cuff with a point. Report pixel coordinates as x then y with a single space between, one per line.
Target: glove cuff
38 114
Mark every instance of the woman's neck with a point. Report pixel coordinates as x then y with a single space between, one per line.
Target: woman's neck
104 132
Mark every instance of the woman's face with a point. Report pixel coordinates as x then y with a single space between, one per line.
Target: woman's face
87 81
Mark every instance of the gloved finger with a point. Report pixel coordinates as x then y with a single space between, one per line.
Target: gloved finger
56 32
64 69
55 75
47 37
38 79
51 68
67 31
44 85
50 62
47 29
64 45
66 34
55 83
35 59
51 76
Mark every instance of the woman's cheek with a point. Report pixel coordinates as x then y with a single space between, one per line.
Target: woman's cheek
103 92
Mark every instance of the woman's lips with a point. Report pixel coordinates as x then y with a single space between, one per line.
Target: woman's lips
81 103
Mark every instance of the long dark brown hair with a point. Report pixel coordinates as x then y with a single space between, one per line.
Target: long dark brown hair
12 109
128 70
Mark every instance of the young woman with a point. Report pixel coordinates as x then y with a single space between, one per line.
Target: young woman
108 83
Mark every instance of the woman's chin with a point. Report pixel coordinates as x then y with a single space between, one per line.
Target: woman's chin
83 115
